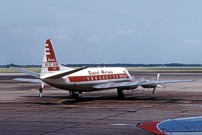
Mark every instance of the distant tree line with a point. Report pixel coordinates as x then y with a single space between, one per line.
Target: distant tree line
135 65
21 66
110 65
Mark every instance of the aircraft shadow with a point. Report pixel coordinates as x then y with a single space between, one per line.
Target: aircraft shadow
65 100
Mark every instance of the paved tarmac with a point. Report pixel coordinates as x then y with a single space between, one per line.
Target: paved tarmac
22 112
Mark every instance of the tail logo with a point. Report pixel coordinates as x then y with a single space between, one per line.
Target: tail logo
51 63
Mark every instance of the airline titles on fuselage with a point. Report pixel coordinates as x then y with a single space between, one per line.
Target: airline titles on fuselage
99 75
100 72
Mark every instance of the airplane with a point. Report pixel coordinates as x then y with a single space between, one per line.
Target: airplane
178 126
86 79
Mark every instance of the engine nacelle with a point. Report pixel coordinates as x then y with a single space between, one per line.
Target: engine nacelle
129 88
149 86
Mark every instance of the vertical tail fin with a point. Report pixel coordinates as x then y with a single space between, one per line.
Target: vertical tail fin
50 63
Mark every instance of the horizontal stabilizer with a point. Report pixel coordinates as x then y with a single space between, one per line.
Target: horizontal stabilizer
26 72
28 80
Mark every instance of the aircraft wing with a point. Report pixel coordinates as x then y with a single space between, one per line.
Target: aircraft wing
26 72
182 126
112 85
29 73
163 82
132 84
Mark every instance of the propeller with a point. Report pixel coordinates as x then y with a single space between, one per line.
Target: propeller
157 77
142 78
139 88
41 90
154 90
133 78
158 85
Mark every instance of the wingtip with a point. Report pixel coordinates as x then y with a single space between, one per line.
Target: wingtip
151 127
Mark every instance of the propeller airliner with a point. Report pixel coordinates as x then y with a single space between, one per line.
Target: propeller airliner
86 79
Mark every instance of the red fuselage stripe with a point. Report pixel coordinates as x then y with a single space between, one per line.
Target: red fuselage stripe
96 77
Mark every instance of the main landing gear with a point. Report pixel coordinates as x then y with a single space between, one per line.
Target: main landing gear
74 94
120 94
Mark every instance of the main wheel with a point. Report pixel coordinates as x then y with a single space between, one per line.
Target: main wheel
74 94
120 94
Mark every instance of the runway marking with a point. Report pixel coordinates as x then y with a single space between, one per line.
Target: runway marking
119 124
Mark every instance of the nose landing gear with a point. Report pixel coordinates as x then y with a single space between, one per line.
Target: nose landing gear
41 90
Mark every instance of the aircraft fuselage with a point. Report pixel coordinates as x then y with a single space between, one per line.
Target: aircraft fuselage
85 80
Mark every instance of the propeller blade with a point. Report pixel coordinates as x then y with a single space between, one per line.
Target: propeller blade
142 78
157 77
133 78
40 94
160 86
154 90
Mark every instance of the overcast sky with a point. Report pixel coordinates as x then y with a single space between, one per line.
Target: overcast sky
102 31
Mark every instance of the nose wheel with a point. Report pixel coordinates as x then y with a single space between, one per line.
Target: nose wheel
41 90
